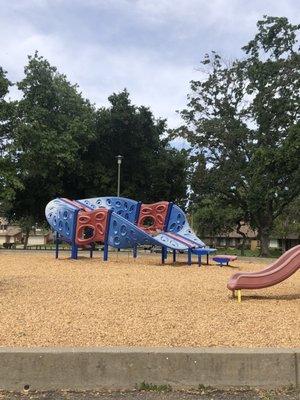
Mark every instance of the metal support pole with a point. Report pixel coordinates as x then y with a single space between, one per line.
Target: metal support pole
105 251
134 250
74 251
92 249
162 254
174 256
56 245
199 260
189 257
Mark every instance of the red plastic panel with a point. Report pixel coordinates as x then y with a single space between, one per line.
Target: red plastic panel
93 224
152 216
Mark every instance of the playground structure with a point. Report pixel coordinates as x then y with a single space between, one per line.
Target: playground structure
281 269
123 223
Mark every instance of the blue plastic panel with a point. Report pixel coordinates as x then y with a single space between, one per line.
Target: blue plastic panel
62 218
177 219
190 234
120 205
179 224
123 234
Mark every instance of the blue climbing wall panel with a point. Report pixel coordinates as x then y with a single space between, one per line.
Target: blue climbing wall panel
178 224
62 218
177 219
120 205
123 234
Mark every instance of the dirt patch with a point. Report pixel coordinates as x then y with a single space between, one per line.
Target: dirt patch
206 394
48 302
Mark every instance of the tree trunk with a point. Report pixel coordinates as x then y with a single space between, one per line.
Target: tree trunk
264 237
244 236
27 232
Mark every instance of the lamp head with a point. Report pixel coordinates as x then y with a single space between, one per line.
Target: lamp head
119 159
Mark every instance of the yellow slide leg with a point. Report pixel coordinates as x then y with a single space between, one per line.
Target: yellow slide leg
239 296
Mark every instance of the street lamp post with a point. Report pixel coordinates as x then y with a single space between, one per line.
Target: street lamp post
119 161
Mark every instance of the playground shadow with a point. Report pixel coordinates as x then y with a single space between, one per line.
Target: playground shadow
285 297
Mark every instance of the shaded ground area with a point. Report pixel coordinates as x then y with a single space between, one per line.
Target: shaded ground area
205 394
48 302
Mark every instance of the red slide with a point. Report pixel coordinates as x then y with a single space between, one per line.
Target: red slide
281 269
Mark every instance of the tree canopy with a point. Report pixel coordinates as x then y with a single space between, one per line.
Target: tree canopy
242 122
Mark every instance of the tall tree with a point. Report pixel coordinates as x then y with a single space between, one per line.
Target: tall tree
242 122
151 169
52 130
288 224
9 181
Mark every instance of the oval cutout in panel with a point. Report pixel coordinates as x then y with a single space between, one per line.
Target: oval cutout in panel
100 216
172 227
84 219
67 228
60 225
85 233
100 229
123 230
161 208
147 222
146 210
117 241
160 219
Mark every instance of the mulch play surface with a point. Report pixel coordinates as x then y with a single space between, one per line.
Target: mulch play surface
48 302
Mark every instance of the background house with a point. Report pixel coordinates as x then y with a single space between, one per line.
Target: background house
39 236
10 235
233 239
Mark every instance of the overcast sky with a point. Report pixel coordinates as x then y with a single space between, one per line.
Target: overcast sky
151 47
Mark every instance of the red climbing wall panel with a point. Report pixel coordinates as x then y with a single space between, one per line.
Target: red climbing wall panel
152 216
91 224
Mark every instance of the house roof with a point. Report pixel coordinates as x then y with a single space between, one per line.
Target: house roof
12 231
251 234
32 234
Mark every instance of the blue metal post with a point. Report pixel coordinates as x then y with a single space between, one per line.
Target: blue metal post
74 251
189 256
165 252
199 260
56 244
92 249
174 256
134 249
74 248
105 250
162 254
137 212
